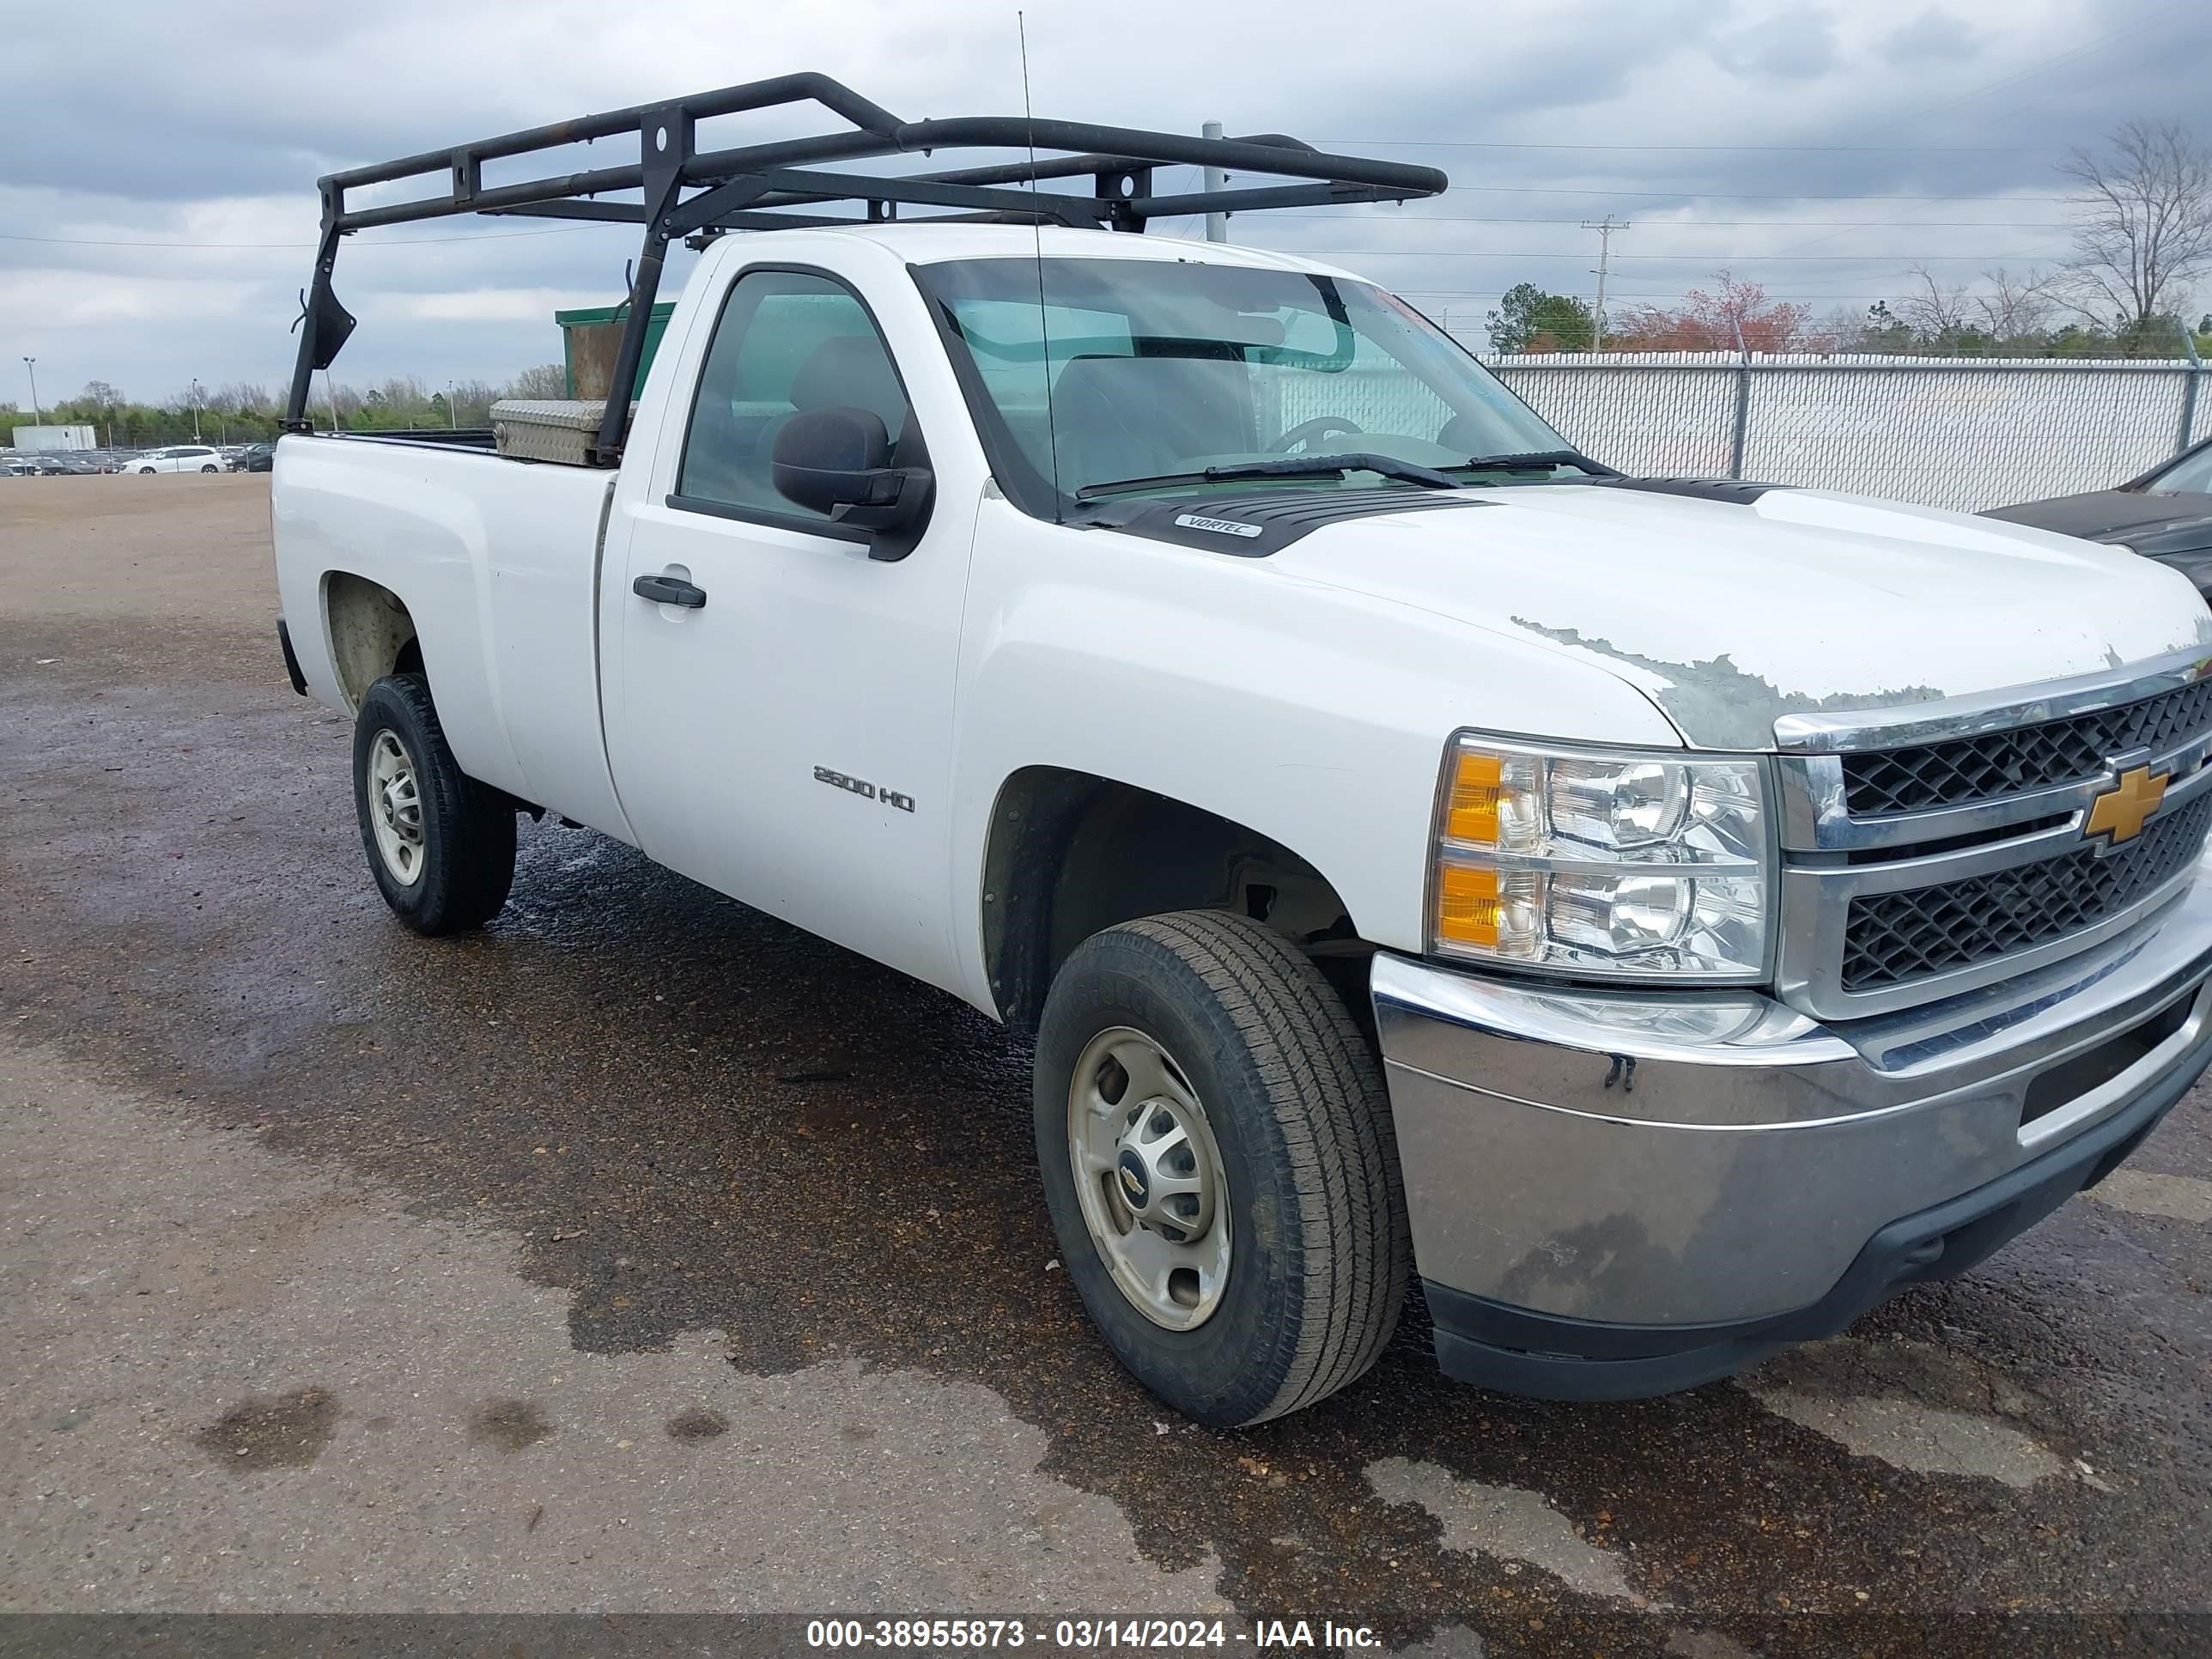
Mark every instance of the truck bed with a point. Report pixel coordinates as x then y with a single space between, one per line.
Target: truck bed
498 563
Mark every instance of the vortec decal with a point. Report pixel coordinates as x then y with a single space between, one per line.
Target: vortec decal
1219 526
864 789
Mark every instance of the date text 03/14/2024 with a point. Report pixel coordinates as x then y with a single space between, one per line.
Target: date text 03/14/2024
1089 1635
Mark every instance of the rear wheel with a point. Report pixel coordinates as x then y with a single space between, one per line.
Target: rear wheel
440 844
1217 1154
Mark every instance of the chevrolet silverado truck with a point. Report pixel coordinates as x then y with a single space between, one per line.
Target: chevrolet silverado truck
1664 916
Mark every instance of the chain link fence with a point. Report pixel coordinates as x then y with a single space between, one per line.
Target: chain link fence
1964 433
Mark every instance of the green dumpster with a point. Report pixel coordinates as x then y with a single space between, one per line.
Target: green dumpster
591 337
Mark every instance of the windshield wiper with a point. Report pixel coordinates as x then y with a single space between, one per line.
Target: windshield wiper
1291 466
1533 460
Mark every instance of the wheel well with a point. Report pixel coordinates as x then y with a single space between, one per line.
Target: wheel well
1071 853
372 633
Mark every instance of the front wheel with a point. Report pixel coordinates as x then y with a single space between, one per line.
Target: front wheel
440 844
208 469
1217 1153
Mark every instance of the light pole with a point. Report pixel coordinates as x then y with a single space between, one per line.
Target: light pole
452 420
1214 178
196 409
1604 228
32 364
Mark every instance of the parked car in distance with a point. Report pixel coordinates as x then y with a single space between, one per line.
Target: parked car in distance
258 458
2166 514
182 458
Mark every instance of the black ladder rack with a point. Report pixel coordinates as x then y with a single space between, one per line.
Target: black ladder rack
685 192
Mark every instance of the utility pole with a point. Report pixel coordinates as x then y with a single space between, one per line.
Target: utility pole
32 364
452 419
196 409
1604 228
1217 224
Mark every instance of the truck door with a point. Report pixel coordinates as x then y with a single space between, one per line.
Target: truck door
784 734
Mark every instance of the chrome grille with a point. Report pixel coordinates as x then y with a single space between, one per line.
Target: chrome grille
1932 850
1992 764
1890 939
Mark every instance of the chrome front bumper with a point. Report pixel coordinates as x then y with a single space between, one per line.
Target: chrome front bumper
1694 1179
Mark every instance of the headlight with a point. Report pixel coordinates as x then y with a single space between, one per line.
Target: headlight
1602 863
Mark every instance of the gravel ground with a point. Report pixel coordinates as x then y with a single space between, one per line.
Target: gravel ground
642 1253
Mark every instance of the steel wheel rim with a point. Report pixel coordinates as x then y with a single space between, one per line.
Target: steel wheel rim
395 808
1148 1174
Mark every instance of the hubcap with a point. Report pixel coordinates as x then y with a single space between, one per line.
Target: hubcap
395 808
1149 1176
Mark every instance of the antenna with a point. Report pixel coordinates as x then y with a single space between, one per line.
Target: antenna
1037 245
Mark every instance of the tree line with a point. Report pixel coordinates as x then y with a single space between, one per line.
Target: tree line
2142 234
246 412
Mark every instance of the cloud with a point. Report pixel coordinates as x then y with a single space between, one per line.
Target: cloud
481 305
1780 140
1795 46
1934 35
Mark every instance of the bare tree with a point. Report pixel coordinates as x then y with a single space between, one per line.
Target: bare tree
239 397
2013 307
1935 310
546 380
472 401
2146 226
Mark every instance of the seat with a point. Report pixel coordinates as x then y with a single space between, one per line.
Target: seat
851 371
1134 417
727 458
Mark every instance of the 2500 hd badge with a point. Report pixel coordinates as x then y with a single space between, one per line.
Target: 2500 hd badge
866 790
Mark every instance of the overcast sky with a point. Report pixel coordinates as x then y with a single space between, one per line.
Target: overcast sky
157 203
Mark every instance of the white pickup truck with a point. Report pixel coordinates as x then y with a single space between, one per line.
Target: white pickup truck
1668 915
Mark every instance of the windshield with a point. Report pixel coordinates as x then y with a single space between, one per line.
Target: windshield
1142 369
2191 476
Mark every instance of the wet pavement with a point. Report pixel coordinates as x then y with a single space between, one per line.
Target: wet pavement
642 1252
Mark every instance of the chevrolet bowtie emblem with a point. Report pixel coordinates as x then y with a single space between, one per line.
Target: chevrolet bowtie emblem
2120 811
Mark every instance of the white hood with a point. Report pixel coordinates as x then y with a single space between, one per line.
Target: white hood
1729 615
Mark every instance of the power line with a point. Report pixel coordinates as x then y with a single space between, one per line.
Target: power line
404 242
1666 259
1796 149
1739 224
1733 194
2042 66
1493 292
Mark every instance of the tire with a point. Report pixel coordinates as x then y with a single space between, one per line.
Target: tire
209 469
1294 1103
453 872
145 471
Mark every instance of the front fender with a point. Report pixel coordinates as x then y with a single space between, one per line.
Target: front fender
1314 714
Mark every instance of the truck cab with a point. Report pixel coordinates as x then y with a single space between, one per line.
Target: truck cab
1664 916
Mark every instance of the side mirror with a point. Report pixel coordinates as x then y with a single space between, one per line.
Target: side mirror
837 462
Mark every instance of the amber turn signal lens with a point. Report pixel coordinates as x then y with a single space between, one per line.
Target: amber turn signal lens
1467 904
1475 791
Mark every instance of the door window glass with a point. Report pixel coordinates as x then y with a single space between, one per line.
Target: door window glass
789 343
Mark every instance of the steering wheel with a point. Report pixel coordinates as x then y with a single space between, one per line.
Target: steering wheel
1305 432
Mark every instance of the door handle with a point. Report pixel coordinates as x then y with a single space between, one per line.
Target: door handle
670 590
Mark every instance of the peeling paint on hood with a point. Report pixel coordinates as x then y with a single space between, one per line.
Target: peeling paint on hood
1730 615
1725 707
